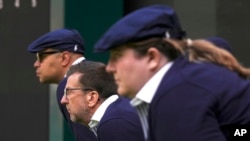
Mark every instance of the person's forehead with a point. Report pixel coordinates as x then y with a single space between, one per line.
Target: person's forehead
48 49
120 49
125 53
74 78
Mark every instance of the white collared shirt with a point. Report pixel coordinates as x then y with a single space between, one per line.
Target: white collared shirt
144 97
97 116
78 60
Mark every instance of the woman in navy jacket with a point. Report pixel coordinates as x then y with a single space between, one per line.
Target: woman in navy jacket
182 89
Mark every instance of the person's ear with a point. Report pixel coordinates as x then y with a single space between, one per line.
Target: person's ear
66 58
93 98
154 58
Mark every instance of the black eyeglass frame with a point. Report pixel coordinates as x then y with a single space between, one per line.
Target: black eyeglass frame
40 56
71 89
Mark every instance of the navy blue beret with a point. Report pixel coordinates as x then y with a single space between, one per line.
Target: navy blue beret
220 42
150 21
60 39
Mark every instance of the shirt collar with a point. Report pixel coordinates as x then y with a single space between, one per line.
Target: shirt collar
78 60
148 91
97 116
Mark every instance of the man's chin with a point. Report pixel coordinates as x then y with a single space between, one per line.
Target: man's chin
73 119
43 81
122 93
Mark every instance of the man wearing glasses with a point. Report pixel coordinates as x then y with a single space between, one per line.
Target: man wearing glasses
56 51
91 99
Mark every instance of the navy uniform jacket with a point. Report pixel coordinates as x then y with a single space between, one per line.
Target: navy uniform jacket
120 122
81 133
198 102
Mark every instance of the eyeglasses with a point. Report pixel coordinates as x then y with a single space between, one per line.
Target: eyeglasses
67 91
40 56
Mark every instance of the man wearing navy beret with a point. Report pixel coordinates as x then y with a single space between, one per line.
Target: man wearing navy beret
183 89
56 51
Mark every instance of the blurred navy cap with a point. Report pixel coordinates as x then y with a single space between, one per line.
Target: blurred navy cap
151 21
60 39
220 42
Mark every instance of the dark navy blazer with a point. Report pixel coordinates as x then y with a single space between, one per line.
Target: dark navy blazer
120 123
198 102
81 133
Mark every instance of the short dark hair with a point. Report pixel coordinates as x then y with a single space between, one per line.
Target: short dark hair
95 77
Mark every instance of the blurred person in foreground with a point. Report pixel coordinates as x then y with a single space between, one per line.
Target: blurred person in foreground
182 89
